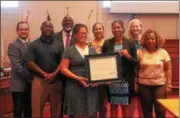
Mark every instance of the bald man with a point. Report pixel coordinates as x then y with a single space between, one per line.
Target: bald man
66 38
44 57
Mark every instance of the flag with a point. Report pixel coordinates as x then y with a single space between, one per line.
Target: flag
48 16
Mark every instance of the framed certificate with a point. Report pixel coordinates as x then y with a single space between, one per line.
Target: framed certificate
103 68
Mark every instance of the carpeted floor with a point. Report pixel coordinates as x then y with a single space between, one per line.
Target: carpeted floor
46 112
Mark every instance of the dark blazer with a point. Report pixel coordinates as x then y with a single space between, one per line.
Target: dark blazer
127 65
20 75
59 37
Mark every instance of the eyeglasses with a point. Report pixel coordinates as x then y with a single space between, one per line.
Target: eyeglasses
83 33
26 29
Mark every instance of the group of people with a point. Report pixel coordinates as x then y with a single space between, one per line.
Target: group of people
53 68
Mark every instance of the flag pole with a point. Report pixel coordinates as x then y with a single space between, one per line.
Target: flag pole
67 10
89 23
48 16
27 20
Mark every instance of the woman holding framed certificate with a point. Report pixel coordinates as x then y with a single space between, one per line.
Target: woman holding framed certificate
119 93
97 43
80 100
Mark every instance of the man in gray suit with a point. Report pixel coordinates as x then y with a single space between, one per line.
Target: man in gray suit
20 76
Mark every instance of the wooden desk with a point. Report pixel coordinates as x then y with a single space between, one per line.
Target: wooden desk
172 105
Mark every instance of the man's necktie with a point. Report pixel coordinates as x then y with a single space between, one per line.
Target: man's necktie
25 44
67 40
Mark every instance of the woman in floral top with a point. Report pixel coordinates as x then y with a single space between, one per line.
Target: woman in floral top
154 74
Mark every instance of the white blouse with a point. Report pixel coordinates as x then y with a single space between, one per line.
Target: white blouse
83 51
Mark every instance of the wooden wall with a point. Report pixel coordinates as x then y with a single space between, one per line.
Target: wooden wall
6 105
172 46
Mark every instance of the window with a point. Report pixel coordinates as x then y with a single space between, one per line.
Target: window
9 4
145 7
106 4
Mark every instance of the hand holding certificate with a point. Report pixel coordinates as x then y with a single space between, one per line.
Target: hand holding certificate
103 68
83 81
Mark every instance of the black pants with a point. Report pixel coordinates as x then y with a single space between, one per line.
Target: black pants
22 103
103 99
148 99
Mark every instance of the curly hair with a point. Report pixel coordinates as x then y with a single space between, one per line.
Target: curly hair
159 40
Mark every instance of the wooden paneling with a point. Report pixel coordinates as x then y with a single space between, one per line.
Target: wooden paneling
6 105
165 24
172 46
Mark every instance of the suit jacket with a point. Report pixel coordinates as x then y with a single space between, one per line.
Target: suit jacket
127 65
59 36
20 75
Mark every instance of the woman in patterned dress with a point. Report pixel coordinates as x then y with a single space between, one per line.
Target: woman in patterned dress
80 100
120 92
98 31
97 43
134 34
154 74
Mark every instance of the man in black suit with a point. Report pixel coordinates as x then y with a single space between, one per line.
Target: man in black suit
66 38
20 82
66 35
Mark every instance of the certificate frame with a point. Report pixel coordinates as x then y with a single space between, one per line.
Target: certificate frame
108 63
